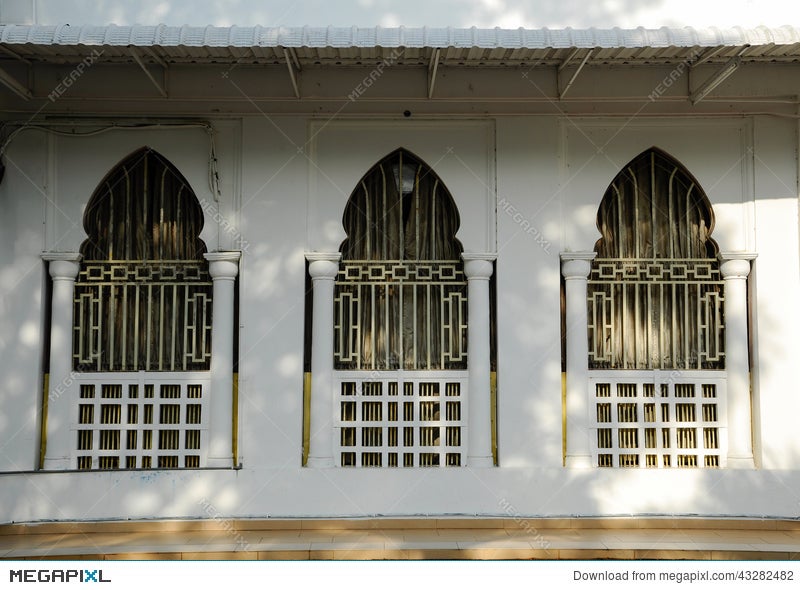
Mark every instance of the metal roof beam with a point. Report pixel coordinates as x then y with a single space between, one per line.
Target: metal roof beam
15 55
156 57
433 66
707 55
295 59
11 83
715 79
575 75
569 59
291 63
159 86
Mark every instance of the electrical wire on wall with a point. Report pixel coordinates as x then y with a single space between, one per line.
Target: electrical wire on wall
11 129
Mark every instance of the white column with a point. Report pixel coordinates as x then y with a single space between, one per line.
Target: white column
63 267
735 267
478 270
575 266
323 268
223 268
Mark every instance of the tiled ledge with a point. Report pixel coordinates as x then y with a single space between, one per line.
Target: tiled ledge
406 538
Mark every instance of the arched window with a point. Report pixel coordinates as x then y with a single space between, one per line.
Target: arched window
655 294
656 322
401 294
143 295
400 321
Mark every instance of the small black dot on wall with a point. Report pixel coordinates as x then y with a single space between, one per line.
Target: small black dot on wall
406 113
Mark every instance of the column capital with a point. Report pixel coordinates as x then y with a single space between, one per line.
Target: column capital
223 265
576 265
63 265
735 265
478 265
323 265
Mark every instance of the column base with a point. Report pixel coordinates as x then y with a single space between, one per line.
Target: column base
740 463
320 462
480 462
579 462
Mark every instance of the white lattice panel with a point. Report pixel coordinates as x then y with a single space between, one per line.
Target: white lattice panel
140 421
400 419
658 418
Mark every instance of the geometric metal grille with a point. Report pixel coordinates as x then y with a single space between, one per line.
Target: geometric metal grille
392 315
142 316
140 423
669 421
400 421
656 314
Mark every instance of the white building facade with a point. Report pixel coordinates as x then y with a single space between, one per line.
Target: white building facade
398 272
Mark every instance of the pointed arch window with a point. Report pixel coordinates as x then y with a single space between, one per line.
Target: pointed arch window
655 292
400 300
143 295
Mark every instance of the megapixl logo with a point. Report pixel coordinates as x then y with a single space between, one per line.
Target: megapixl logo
35 576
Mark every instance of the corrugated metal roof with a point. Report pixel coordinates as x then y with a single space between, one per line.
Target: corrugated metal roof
352 45
331 37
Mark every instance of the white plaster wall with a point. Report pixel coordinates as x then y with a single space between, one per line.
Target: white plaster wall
774 293
282 492
286 181
80 163
528 304
460 152
23 194
716 151
48 182
272 293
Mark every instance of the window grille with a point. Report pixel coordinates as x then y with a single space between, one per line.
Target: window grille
140 423
400 298
143 295
656 323
400 323
657 420
655 295
142 323
146 315
656 314
397 421
392 315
